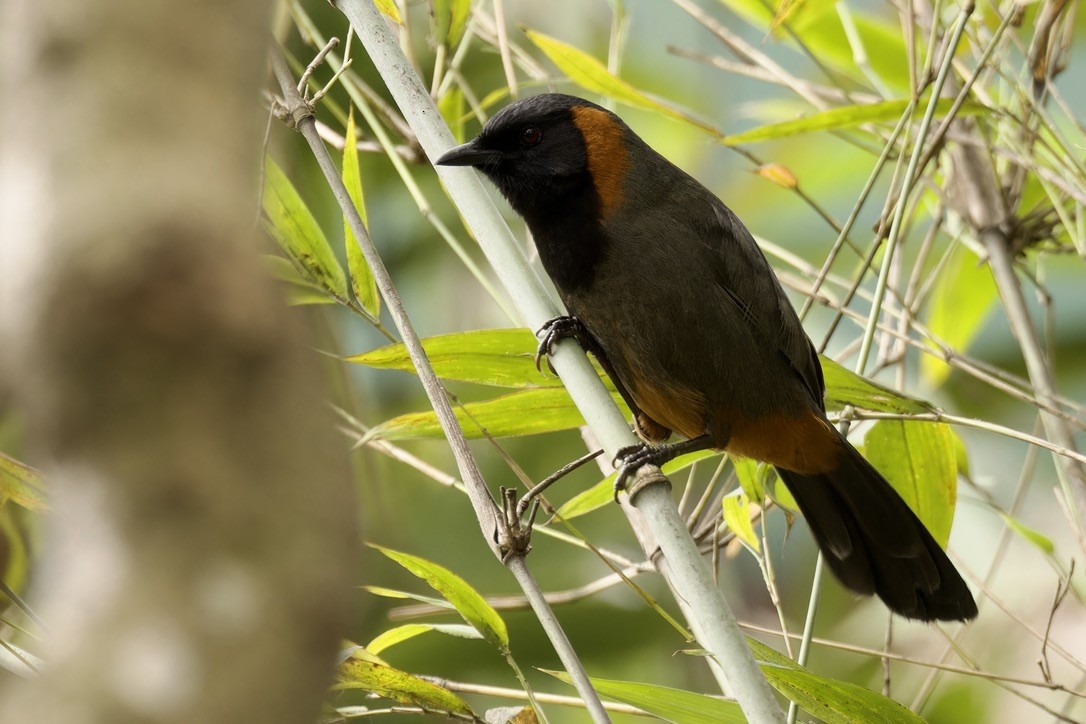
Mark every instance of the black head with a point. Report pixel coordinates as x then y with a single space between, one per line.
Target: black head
533 150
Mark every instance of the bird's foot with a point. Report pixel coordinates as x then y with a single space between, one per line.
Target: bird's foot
628 460
557 329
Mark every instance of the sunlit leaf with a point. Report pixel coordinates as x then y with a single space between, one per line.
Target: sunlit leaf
829 700
451 107
603 492
362 282
450 19
1043 542
500 357
529 412
844 387
299 235
919 461
592 75
964 294
454 589
674 705
408 631
388 9
737 518
22 485
359 672
393 593
844 117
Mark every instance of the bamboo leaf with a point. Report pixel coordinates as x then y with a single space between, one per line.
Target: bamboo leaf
674 705
844 117
963 296
592 75
299 235
918 459
22 485
362 281
408 631
528 412
1043 542
359 672
454 589
737 518
499 357
829 700
393 593
451 107
388 9
450 18
603 492
844 387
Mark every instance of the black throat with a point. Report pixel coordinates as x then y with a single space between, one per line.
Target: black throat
564 220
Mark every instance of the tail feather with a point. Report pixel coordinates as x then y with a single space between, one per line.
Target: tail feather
875 544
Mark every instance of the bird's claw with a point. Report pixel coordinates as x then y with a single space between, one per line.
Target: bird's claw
551 332
628 460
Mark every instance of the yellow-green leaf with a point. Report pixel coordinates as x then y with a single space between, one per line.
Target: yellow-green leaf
451 107
450 18
674 705
845 387
499 357
964 294
528 412
603 492
408 631
918 459
454 589
1043 542
592 75
359 672
22 485
844 117
737 518
299 235
393 593
362 282
388 9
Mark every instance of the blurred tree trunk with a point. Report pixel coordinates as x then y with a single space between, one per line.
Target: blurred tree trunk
197 562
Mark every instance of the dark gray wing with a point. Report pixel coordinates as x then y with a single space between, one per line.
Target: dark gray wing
741 269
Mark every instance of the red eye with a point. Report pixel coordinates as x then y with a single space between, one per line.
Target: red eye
530 136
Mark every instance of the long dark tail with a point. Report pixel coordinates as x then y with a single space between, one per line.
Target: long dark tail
875 544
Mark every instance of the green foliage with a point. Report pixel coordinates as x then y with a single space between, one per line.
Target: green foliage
408 631
361 671
737 517
22 485
362 282
964 294
919 460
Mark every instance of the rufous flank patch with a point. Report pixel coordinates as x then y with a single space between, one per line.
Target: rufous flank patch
607 156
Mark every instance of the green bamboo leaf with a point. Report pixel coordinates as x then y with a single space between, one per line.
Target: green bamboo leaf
844 117
603 492
300 290
450 18
499 357
918 459
454 589
751 475
593 76
393 593
299 235
1043 542
737 518
674 705
528 412
22 485
829 700
388 9
844 387
964 294
820 30
408 631
359 672
451 107
362 281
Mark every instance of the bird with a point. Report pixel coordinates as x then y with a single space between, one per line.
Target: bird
667 288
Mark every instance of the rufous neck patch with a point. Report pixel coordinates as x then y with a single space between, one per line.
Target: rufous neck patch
607 155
